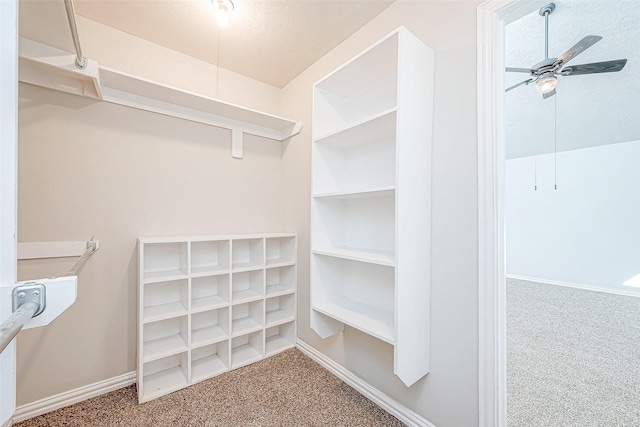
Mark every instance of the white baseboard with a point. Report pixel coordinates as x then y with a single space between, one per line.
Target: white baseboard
577 286
398 410
70 397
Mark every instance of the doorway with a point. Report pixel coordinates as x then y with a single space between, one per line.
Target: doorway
493 16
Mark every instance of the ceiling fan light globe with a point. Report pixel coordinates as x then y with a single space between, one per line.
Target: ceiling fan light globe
546 84
222 16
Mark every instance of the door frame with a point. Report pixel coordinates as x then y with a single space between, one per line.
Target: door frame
492 16
8 193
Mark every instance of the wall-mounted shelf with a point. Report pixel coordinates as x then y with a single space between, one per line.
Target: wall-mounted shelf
207 304
46 66
370 205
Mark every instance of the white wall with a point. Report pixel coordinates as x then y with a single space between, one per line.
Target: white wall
90 168
585 232
448 395
94 168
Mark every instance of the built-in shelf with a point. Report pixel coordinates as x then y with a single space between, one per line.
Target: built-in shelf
209 292
370 205
378 126
208 327
364 255
280 281
164 338
247 349
386 191
46 66
233 304
279 310
279 338
209 361
164 376
247 286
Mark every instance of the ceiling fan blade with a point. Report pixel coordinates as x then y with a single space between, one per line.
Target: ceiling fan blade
549 94
526 82
578 48
518 70
594 68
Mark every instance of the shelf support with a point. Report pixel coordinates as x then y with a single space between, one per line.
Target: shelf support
236 143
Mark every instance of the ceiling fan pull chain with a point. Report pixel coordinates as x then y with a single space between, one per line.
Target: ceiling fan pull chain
555 142
535 173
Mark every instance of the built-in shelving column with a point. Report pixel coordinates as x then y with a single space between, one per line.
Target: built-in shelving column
370 207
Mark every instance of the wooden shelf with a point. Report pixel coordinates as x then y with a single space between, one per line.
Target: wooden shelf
244 326
377 323
363 255
46 66
386 191
164 311
279 338
375 127
247 349
164 276
207 335
162 347
212 319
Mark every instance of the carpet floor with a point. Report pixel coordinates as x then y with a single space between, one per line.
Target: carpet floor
288 389
573 357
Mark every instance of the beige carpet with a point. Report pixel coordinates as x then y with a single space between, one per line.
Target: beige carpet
288 389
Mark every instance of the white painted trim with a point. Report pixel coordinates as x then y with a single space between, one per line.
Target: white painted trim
398 410
70 397
492 369
594 288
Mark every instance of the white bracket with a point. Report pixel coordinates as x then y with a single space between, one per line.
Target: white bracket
61 292
236 143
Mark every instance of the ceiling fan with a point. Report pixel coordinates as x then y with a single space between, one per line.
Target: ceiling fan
544 73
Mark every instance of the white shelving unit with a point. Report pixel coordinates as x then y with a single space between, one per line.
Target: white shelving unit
371 200
208 304
50 67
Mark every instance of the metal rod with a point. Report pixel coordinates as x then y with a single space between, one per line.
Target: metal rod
81 61
546 35
14 324
80 263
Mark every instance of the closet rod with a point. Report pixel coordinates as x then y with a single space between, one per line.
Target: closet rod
91 248
81 61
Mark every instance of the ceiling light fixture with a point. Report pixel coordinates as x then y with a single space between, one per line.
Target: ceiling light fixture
546 82
223 9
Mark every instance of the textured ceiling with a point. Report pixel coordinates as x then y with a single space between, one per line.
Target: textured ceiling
592 109
268 40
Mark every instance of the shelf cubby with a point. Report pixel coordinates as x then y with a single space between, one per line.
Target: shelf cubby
247 317
356 293
354 165
362 225
246 349
163 300
280 281
205 312
280 251
209 257
279 338
247 286
208 327
164 376
209 361
209 292
165 338
364 86
247 254
279 310
165 261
